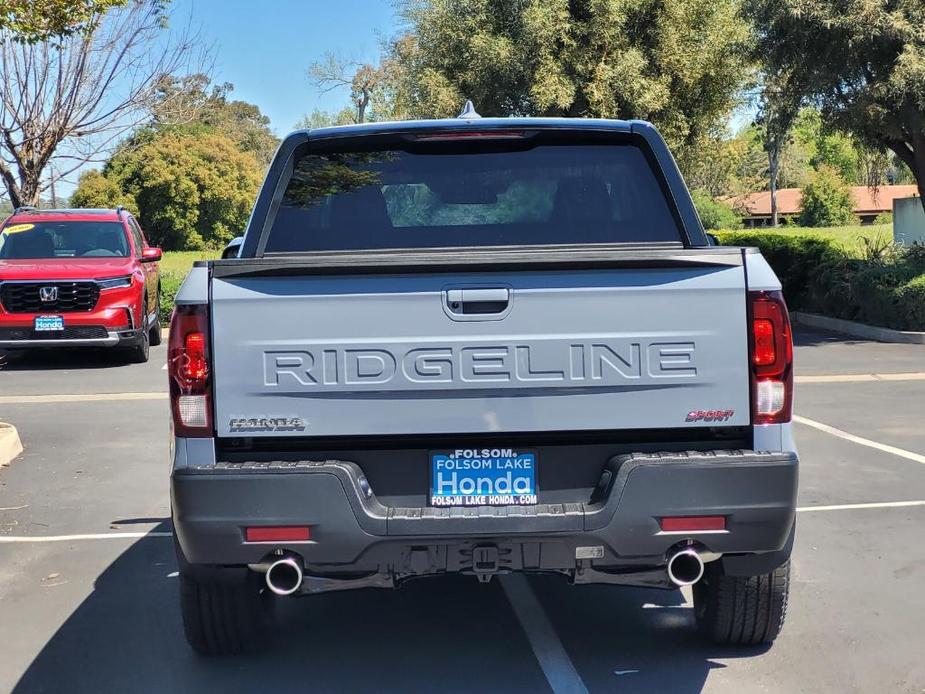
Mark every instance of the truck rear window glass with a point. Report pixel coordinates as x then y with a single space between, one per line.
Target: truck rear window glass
499 196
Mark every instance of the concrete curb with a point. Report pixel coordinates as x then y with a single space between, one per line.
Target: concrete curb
847 327
10 445
165 333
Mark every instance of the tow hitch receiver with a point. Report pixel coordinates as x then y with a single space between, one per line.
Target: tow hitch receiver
485 562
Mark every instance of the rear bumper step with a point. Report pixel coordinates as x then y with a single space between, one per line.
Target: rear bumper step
352 532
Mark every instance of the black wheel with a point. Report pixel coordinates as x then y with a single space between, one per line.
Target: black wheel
741 610
154 334
139 353
226 615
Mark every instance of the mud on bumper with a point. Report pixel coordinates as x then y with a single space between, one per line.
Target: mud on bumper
354 534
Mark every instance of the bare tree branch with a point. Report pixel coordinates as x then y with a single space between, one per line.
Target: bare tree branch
333 72
75 97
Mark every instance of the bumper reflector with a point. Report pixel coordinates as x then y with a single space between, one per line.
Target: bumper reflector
692 523
278 534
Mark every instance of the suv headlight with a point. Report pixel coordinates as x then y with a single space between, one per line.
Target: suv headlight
115 282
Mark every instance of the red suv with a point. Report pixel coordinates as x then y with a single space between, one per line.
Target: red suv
78 278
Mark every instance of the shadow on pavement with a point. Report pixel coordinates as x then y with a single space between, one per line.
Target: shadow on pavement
448 634
632 640
811 337
52 359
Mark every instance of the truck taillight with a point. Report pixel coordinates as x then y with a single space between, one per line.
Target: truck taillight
771 357
188 371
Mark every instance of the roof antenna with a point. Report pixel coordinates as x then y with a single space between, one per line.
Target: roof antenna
468 111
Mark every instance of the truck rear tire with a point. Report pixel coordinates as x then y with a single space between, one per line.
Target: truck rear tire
741 610
224 616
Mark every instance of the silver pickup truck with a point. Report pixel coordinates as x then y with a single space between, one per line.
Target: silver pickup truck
480 346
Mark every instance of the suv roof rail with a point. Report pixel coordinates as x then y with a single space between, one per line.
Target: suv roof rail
25 208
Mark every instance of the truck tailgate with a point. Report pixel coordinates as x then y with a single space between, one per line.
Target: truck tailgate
500 351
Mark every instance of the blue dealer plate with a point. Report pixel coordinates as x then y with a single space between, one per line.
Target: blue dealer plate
48 323
483 477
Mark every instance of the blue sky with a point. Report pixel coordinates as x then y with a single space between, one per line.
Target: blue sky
264 47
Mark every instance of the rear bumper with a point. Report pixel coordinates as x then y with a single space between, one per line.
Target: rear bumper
352 532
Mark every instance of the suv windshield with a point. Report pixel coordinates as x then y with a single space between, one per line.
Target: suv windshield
468 194
63 239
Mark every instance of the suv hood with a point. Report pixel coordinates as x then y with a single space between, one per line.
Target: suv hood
64 268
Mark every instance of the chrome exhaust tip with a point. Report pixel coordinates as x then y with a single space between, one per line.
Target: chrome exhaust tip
284 576
685 567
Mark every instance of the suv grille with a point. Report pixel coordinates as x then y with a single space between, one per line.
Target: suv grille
24 297
81 332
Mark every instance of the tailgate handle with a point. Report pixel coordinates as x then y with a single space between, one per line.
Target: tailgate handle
478 301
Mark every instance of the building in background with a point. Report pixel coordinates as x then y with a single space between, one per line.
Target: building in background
755 208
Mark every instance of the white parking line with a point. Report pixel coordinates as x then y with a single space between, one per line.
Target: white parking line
861 378
901 452
513 578
550 654
11 539
78 397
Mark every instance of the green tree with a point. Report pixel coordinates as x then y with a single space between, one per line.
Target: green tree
193 101
726 165
96 190
863 61
827 200
65 101
679 64
825 146
323 119
715 215
778 107
191 190
39 20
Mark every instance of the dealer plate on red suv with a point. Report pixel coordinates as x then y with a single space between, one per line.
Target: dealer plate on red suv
49 323
483 477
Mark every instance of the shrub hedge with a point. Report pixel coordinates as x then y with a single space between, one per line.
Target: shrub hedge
885 288
713 214
170 285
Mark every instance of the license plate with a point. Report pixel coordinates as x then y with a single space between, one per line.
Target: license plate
48 323
483 477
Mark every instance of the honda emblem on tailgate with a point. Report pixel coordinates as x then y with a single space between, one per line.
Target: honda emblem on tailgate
255 424
48 294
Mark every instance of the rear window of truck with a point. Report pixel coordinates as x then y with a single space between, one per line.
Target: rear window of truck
494 193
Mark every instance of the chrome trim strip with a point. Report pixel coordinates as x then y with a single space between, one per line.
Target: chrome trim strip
95 280
51 281
111 339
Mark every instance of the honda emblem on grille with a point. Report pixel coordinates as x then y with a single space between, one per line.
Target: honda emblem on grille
48 293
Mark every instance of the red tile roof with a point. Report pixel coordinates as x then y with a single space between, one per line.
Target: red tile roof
866 200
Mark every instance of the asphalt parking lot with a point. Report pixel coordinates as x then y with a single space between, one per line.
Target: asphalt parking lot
88 579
